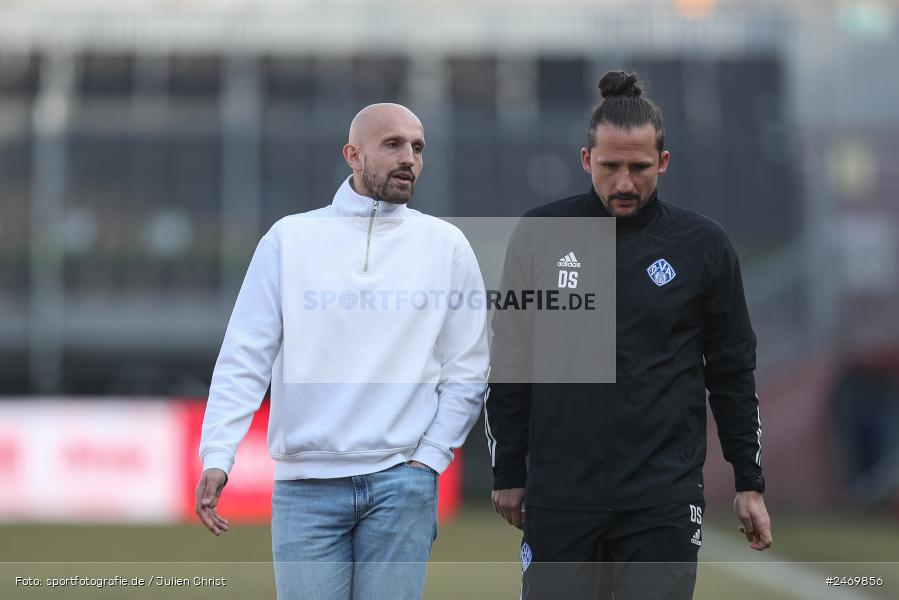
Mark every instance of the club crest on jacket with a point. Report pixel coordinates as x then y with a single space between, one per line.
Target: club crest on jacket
661 272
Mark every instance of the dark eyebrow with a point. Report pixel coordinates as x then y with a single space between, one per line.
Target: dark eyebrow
636 163
399 138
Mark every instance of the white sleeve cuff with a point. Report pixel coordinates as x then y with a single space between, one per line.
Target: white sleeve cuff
218 459
432 455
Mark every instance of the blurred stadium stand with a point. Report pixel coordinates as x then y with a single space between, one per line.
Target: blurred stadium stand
146 145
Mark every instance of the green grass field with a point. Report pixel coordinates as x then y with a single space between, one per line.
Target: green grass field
475 557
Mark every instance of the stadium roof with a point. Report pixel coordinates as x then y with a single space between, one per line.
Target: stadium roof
348 26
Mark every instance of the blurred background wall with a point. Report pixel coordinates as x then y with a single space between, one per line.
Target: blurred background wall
145 146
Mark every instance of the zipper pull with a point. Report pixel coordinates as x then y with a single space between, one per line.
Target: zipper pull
371 224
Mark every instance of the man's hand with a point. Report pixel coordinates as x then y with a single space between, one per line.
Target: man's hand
509 504
756 525
419 465
209 489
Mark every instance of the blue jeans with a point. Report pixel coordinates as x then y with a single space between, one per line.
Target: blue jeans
366 537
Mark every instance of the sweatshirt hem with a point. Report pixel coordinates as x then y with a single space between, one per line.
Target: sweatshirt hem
329 465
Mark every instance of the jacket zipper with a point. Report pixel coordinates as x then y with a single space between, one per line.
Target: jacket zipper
371 225
607 463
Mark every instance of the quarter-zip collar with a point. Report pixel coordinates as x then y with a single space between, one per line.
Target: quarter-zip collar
647 214
348 203
367 214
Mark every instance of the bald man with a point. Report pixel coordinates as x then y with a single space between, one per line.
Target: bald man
384 151
368 318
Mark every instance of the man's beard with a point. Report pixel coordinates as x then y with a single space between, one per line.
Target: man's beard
639 203
383 188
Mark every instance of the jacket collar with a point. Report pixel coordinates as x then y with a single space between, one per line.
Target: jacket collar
348 203
647 214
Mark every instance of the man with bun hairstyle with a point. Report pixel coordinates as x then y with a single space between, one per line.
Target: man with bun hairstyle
610 474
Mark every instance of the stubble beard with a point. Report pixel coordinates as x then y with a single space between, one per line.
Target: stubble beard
382 188
616 212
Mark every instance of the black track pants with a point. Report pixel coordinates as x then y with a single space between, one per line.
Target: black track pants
647 554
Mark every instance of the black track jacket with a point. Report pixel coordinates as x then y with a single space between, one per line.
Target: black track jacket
640 442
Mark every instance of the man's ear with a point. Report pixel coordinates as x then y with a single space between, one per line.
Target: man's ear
352 158
664 158
585 159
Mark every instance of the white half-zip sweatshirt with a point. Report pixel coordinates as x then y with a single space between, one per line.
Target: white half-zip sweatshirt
370 321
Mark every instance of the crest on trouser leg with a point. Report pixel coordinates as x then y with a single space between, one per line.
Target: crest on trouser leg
525 556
